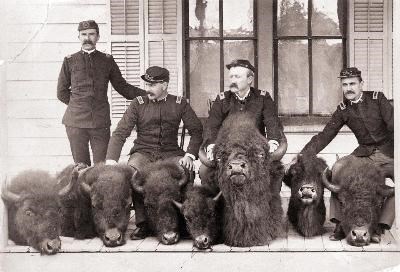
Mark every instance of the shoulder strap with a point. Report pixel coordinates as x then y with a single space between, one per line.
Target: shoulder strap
140 100
178 99
342 105
263 92
375 95
221 95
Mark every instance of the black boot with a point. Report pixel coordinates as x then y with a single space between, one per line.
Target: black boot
337 234
140 232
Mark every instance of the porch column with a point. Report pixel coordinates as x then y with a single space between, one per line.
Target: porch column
396 98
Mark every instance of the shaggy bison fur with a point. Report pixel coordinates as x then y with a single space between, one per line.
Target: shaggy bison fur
100 204
202 210
34 210
306 209
361 189
160 183
252 211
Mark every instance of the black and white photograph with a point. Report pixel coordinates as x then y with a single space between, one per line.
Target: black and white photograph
199 135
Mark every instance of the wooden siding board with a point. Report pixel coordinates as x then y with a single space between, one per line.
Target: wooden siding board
47 51
36 109
34 71
49 33
36 128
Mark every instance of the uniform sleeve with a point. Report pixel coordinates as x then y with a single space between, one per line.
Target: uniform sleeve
271 120
195 128
322 139
386 112
214 122
123 131
121 86
64 83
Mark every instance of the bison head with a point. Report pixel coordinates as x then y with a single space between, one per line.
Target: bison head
305 179
110 194
34 210
160 184
360 189
202 213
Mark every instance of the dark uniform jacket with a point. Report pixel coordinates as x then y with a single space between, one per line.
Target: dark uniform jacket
157 124
82 85
257 102
371 121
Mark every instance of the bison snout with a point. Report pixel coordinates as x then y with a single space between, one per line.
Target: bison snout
169 238
112 237
359 236
237 166
202 242
50 246
307 193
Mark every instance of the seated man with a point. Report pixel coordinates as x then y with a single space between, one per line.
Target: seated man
157 117
241 97
369 115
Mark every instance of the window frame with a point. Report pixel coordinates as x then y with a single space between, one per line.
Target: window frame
310 117
187 39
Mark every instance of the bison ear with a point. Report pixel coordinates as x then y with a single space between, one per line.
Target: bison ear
9 197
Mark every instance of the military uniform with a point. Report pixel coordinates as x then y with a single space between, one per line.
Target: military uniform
157 124
82 85
259 103
371 121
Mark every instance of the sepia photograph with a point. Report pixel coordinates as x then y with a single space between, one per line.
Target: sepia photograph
199 135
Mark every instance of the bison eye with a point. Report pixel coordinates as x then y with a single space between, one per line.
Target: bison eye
260 155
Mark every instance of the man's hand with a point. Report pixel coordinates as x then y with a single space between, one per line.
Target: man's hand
187 162
209 151
273 145
110 162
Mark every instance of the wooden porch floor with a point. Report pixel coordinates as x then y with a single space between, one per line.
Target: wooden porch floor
289 241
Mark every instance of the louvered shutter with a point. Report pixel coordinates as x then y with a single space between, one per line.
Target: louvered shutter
162 40
370 43
126 55
124 17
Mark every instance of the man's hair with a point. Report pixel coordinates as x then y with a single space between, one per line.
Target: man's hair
250 73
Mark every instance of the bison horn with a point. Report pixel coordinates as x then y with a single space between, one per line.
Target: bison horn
86 188
9 196
74 178
385 191
137 188
281 150
177 204
331 187
216 198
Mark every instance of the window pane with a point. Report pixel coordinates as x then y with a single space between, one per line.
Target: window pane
203 18
327 63
204 74
292 17
236 50
293 77
238 18
327 17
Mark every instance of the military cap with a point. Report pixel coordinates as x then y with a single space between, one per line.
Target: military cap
156 74
350 72
90 24
242 63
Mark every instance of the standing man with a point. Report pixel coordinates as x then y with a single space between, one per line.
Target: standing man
369 115
157 117
241 97
82 85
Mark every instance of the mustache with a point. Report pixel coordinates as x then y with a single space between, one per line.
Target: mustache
233 85
350 92
149 93
88 42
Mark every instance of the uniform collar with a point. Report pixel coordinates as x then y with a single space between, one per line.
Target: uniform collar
88 51
359 100
244 97
160 100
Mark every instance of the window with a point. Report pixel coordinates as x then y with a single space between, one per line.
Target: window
216 32
145 33
309 52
